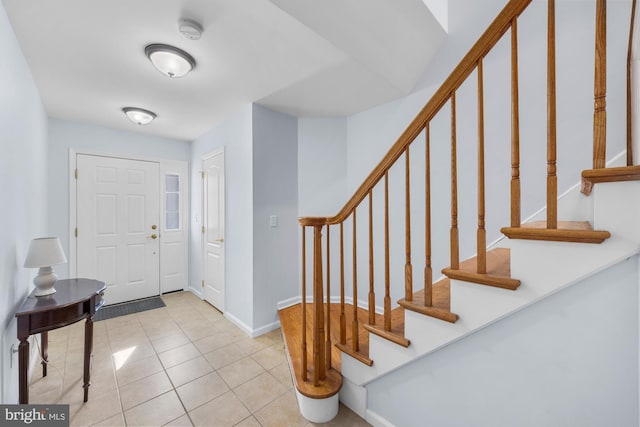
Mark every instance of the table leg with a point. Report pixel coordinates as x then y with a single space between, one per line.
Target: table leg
88 353
23 368
44 341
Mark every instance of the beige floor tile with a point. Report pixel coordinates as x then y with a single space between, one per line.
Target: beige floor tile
270 357
226 355
132 350
226 410
183 421
96 409
115 421
259 391
345 417
168 342
249 422
201 390
198 330
155 412
132 371
253 345
240 372
188 371
178 355
283 374
213 342
282 412
144 389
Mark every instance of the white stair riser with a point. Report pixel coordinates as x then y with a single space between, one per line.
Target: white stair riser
616 211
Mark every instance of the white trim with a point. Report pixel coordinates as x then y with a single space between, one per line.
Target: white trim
266 328
73 220
239 323
195 292
377 420
288 302
335 299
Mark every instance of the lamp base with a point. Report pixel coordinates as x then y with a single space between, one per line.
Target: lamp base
44 282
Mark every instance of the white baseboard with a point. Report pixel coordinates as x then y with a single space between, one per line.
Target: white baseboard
266 328
335 299
195 292
377 420
239 323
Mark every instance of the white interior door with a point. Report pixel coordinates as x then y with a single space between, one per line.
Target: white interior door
118 213
213 230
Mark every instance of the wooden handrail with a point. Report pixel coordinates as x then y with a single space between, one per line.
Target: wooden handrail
465 67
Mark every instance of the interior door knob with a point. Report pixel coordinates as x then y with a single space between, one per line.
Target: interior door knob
154 236
153 227
220 240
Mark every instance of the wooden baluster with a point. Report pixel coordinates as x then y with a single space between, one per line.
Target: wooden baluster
327 347
515 129
455 257
354 325
428 272
372 295
481 239
387 280
304 304
600 88
408 270
319 372
552 179
343 317
629 54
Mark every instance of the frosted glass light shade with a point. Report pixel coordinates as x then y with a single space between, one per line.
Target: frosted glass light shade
139 116
45 252
169 60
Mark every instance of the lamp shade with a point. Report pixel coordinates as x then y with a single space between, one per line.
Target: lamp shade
45 252
169 60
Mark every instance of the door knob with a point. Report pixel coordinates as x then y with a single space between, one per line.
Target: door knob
220 240
154 236
153 227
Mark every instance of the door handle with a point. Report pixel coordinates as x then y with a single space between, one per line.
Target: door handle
154 236
220 240
153 227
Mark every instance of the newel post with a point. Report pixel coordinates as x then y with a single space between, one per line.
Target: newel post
319 370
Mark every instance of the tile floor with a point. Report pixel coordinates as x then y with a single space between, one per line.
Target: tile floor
182 365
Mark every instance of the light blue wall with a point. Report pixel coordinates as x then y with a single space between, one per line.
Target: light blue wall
65 135
235 136
23 184
275 192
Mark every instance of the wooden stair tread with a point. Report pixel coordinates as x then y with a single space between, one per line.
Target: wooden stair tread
396 334
440 302
498 270
617 174
567 231
292 332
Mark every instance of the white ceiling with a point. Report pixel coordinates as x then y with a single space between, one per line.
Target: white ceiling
302 57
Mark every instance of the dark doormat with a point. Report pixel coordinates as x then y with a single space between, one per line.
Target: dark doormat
130 307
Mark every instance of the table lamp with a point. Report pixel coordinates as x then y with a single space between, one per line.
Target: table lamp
43 253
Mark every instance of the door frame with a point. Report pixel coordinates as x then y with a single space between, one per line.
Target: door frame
203 249
165 165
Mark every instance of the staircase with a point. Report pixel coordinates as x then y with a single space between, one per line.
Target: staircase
342 348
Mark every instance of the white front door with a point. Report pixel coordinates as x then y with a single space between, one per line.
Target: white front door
118 214
213 229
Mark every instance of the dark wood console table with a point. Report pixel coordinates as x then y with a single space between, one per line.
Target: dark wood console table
74 300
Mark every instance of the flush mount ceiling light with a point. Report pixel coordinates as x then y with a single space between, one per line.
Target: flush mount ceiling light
169 60
139 116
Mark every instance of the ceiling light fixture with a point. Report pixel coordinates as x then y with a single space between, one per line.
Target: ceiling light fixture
169 60
139 116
